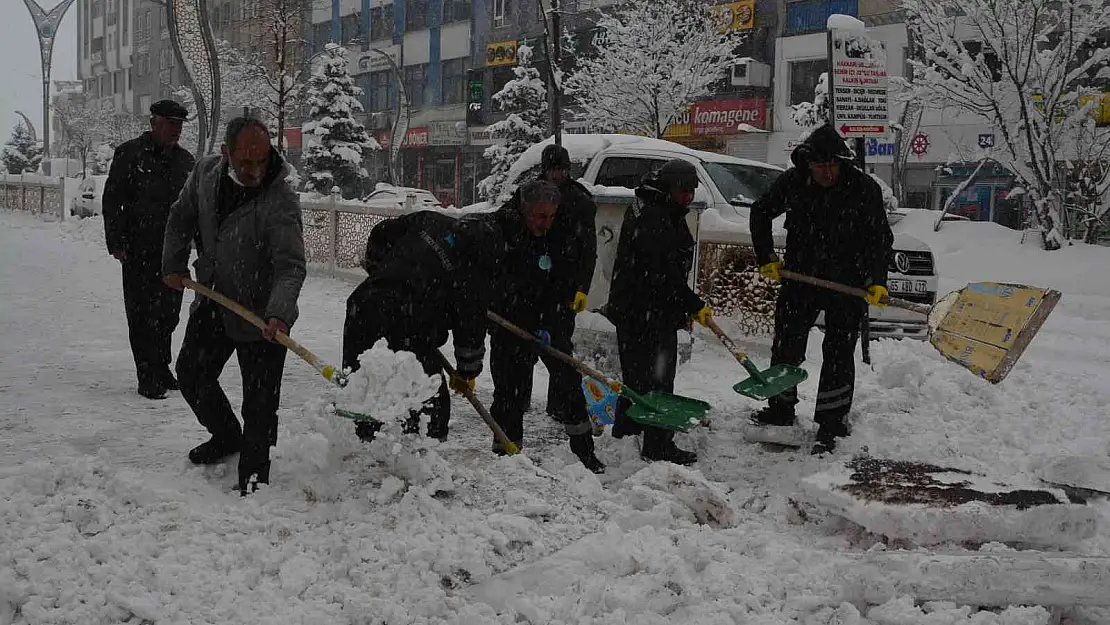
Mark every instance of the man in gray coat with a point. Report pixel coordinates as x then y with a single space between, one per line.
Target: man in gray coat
247 224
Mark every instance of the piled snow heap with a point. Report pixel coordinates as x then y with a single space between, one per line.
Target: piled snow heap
387 386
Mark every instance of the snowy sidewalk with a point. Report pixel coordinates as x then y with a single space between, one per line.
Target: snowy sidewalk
102 520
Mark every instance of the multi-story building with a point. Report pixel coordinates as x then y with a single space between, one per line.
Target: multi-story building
430 42
104 50
156 74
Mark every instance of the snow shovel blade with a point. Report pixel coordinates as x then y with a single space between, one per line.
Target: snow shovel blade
666 410
355 416
776 379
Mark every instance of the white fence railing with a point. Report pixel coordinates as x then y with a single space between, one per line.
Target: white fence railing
335 230
34 194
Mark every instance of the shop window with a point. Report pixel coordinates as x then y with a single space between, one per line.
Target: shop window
350 27
381 22
415 78
456 11
454 81
416 14
803 79
383 95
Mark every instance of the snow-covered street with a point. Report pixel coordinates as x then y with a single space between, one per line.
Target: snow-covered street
103 520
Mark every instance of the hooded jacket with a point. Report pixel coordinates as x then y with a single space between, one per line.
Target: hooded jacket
840 233
252 251
655 254
142 184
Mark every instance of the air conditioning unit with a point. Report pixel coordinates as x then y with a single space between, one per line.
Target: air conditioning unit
751 73
381 121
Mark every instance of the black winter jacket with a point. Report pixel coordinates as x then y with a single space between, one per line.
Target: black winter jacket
574 240
528 288
654 256
143 182
439 273
840 234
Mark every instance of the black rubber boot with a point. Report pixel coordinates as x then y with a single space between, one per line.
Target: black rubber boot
659 447
214 450
583 446
827 433
773 415
152 390
253 463
367 430
166 379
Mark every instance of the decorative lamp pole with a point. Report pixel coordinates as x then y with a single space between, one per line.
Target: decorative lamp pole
191 38
46 26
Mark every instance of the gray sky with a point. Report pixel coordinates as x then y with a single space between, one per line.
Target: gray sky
20 69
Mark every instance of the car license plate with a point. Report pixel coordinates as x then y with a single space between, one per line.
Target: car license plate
906 286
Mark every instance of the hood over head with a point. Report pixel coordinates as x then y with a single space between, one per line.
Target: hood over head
824 145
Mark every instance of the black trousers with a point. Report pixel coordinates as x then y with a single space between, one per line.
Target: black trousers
204 352
370 318
649 362
565 400
153 310
795 315
512 362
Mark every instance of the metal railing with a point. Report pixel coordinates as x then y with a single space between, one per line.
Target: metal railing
34 194
336 230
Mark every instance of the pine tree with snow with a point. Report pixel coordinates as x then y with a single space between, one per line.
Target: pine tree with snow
656 57
810 115
525 99
22 154
336 140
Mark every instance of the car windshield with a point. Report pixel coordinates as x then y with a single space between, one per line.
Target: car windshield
741 185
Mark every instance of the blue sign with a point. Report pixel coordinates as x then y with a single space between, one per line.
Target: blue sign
986 140
874 148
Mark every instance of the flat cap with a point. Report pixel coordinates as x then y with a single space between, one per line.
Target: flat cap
169 109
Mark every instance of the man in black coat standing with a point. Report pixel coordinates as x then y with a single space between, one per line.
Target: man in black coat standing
837 229
429 273
573 239
650 299
146 176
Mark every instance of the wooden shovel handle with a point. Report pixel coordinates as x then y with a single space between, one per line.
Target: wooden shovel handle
726 340
896 302
325 369
578 365
502 438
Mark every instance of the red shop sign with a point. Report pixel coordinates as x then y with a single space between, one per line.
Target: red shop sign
726 117
416 138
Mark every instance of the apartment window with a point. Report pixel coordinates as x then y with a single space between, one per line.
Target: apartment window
111 41
350 27
456 10
105 86
97 8
382 91
502 11
321 36
416 14
803 79
126 24
415 78
499 78
454 81
98 45
381 22
990 59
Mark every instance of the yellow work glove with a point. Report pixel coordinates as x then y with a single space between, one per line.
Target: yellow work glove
875 295
771 270
579 303
703 315
460 385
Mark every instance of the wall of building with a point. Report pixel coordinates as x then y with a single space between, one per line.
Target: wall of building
104 49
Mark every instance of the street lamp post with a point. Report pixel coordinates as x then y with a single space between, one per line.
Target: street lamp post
46 26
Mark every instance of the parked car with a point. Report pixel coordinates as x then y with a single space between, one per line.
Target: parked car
611 165
87 202
386 195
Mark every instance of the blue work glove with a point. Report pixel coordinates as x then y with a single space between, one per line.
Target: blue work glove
544 337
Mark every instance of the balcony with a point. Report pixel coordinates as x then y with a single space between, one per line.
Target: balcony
809 16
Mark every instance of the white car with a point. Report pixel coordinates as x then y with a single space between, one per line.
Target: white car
386 195
87 203
612 165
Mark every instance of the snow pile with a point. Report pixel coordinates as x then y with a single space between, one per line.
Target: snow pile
388 384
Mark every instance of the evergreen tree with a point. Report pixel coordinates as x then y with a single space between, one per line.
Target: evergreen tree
525 99
336 139
22 154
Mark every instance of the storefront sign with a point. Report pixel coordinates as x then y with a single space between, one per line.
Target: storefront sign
447 133
416 138
727 117
877 150
375 62
479 135
501 53
859 84
735 16
680 127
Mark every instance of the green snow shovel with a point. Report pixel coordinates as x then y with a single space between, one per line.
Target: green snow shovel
760 384
330 373
656 409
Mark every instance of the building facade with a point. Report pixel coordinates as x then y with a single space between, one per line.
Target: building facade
105 43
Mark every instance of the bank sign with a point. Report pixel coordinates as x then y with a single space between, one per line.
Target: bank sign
729 117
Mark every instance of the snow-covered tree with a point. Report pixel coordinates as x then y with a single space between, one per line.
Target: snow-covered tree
334 138
243 82
1088 182
87 124
524 98
657 56
1024 67
22 154
810 115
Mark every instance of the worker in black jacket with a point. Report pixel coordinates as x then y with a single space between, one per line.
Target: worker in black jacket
650 298
529 294
145 178
837 229
429 273
573 239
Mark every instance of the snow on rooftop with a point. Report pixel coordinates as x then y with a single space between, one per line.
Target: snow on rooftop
844 22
